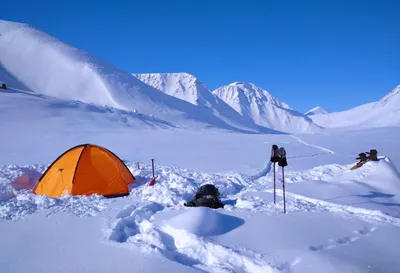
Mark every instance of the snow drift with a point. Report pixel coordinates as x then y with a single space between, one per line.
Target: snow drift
385 112
255 103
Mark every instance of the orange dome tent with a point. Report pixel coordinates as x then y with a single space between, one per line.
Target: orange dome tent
85 170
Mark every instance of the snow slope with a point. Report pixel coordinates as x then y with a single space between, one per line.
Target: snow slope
385 112
30 112
187 87
48 66
255 103
316 110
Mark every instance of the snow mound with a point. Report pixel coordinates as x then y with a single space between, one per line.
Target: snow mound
48 66
255 103
385 176
316 111
385 112
204 221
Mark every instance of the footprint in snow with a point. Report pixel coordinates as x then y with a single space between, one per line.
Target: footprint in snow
343 240
129 219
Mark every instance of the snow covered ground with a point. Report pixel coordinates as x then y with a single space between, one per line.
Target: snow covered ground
337 220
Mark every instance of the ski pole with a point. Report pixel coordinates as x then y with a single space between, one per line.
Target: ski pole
274 186
274 159
283 184
283 163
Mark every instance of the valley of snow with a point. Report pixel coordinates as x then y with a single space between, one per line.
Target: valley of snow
337 220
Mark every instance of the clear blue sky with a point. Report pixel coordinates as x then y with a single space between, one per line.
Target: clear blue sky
337 54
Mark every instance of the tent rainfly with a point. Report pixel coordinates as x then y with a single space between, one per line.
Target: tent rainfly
85 170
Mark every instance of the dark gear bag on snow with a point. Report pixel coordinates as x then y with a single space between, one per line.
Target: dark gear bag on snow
206 196
373 155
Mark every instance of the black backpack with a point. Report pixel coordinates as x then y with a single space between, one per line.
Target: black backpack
207 191
206 196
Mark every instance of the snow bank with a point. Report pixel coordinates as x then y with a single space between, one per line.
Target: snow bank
385 176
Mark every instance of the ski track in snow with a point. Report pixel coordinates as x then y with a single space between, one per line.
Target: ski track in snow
304 203
325 150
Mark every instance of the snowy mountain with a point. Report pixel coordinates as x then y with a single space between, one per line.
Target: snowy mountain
183 86
385 112
255 103
316 111
187 87
48 66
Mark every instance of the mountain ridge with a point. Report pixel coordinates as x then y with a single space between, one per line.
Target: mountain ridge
264 109
189 88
